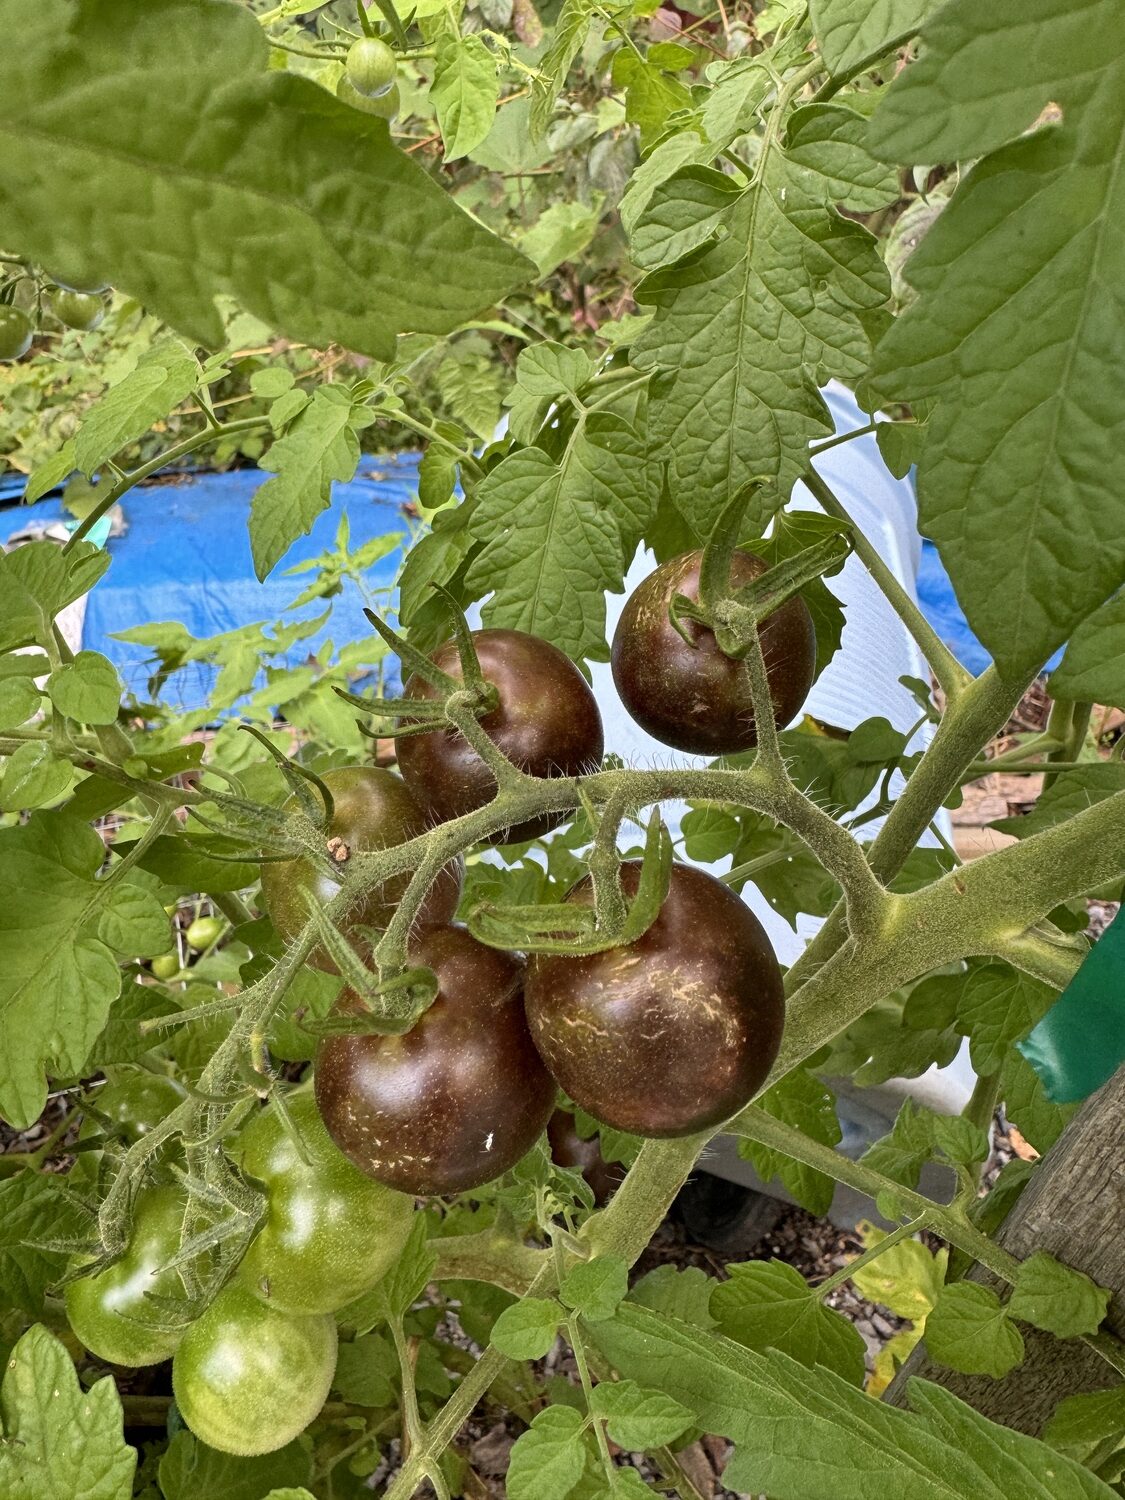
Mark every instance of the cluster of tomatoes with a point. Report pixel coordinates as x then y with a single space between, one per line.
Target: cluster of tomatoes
81 307
664 1036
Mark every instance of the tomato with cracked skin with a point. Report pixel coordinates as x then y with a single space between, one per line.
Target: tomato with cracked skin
109 1311
248 1379
455 1101
546 721
329 1233
695 697
374 809
671 1034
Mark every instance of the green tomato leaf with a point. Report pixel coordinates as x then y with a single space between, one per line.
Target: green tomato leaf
970 1331
595 1287
1004 280
405 1282
746 327
464 93
367 1371
133 921
527 1329
998 1006
1070 793
120 1040
164 376
1056 1298
831 140
807 1434
683 1294
19 699
557 535
33 777
1093 668
1026 1105
86 689
560 233
36 582
850 30
1079 1421
902 1154
906 1279
801 1100
639 1419
570 32
901 445
769 1305
362 244
548 1459
190 1470
57 1438
34 1207
663 162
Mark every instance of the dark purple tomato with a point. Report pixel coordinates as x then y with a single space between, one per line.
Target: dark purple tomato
547 723
373 810
670 1034
696 697
453 1102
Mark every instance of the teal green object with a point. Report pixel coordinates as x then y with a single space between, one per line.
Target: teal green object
98 533
1080 1043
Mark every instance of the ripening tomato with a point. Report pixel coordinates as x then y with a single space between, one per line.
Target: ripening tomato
453 1102
247 1379
373 810
670 1034
110 1313
330 1233
695 697
546 722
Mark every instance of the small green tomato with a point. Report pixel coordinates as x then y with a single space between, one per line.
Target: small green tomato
371 67
203 932
166 965
80 310
16 333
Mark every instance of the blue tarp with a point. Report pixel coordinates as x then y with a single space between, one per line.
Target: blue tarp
186 556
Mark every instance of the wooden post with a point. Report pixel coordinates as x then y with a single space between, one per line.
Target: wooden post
1074 1207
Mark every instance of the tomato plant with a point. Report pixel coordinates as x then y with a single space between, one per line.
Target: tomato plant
373 808
721 318
248 1379
459 1098
113 1312
545 721
329 1233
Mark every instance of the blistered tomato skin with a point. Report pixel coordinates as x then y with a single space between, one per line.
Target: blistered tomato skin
547 723
459 1098
671 1034
110 1312
330 1233
373 810
247 1379
696 698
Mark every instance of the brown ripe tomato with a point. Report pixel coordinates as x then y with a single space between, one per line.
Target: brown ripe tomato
373 810
695 697
546 722
670 1034
453 1102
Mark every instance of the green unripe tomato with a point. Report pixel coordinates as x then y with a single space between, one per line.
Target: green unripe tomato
110 1313
134 1104
165 965
330 1233
16 333
72 281
386 105
203 932
371 67
248 1379
78 310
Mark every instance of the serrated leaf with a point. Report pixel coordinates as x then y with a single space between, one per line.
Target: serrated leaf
133 921
900 445
570 31
745 328
366 1371
557 535
1088 1418
359 237
164 376
86 689
1093 667
831 140
663 162
731 106
189 1470
51 473
34 776
595 1287
60 1440
1070 793
547 1460
34 1208
850 30
906 1278
638 1419
683 213
37 581
321 446
464 92
769 1305
804 1434
1026 1105
960 1141
682 1293
970 1331
1057 1298
1004 281
560 233
902 1154
804 1101
527 1329
997 1006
